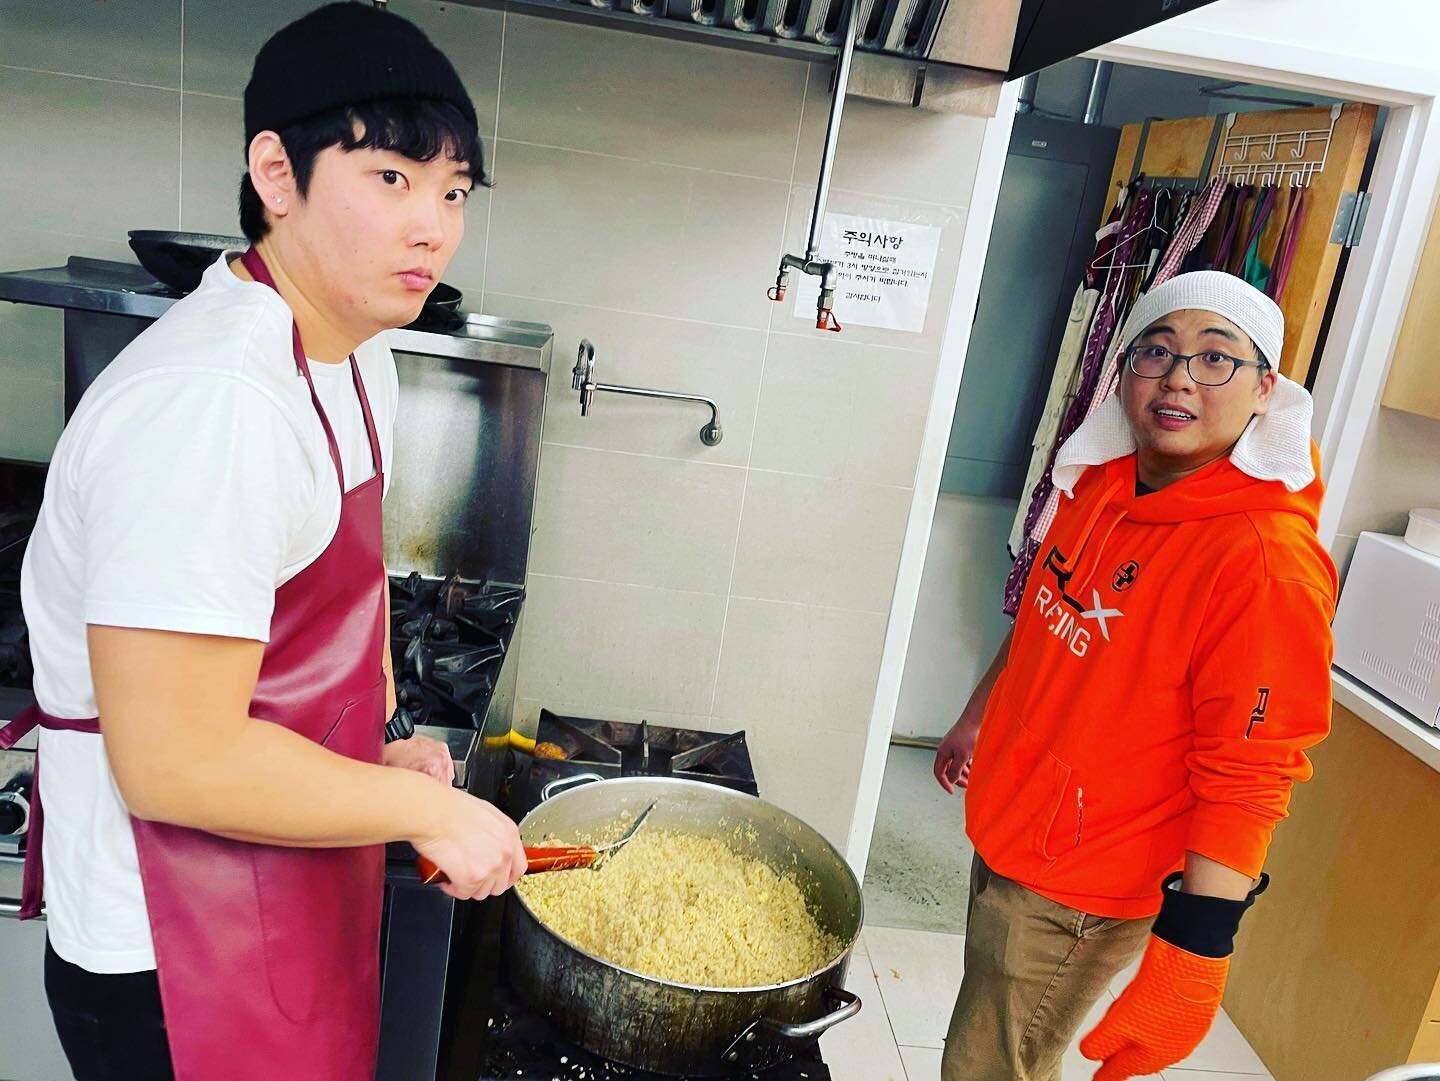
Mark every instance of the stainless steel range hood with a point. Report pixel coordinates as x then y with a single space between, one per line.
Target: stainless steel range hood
1007 37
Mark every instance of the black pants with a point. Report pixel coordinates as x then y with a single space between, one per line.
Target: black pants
111 1027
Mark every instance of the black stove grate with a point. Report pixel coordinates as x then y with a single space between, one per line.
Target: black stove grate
448 641
523 1046
567 746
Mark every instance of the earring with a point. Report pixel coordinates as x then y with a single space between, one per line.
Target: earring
278 199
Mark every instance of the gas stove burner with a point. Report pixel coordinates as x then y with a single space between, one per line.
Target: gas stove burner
565 746
430 629
448 641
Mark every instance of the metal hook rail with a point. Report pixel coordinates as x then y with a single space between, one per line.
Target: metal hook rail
1298 170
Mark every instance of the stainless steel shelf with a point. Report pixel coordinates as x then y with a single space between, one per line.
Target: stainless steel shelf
99 285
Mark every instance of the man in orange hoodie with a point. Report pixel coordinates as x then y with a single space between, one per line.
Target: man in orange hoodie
1134 743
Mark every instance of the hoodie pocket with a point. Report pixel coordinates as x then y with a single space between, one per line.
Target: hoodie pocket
1023 804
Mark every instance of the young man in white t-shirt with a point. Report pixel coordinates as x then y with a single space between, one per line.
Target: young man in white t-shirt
206 556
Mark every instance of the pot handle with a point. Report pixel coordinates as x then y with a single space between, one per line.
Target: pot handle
555 787
849 1007
749 1047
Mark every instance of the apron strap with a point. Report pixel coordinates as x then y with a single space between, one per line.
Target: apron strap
370 432
32 889
253 262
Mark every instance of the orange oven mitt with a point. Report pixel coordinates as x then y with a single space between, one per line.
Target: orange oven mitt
1170 1004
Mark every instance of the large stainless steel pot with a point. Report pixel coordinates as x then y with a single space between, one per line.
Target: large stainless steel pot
669 1027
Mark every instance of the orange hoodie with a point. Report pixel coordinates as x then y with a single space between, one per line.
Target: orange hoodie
1169 667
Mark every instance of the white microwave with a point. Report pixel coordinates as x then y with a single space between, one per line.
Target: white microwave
1387 628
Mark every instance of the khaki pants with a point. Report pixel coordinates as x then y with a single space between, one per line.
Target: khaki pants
1033 970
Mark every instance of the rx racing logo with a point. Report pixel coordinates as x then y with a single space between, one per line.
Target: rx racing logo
1063 613
1125 576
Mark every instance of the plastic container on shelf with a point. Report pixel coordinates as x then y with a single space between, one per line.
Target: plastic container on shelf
1424 530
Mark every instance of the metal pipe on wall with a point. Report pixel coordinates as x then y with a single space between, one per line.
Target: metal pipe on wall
1025 103
810 263
832 130
1099 89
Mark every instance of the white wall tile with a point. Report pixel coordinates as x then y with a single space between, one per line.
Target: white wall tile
223 36
605 645
471 38
810 772
636 520
577 87
831 407
909 154
135 42
32 371
717 362
466 271
793 666
31 416
822 542
67 169
212 161
951 222
632 236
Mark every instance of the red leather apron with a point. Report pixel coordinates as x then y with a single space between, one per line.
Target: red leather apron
268 957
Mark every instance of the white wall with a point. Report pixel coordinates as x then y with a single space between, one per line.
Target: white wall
959 622
1393 31
1399 470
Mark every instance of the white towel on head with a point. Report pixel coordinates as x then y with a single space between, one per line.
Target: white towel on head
1274 446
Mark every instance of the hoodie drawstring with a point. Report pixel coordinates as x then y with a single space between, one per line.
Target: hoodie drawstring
1082 546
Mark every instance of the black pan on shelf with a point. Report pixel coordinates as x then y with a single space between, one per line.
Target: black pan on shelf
180 259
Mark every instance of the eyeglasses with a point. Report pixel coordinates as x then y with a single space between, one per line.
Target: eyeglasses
1209 369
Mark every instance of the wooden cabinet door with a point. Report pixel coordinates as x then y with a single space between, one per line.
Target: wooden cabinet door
1414 381
1184 149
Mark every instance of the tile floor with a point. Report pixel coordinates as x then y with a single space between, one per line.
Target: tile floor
907 980
918 874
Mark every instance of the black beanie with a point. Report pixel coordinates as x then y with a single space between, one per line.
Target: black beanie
346 54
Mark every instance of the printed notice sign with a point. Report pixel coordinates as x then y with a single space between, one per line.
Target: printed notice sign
885 270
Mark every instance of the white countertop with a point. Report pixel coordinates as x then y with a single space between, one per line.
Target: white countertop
1387 718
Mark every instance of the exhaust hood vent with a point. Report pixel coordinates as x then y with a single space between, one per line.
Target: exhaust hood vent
1007 37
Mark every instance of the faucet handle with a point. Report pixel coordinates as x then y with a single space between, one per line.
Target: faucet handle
583 377
782 282
584 365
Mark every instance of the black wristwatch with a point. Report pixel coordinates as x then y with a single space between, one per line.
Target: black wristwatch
401 725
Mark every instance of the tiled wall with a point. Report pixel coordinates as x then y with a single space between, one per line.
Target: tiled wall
645 190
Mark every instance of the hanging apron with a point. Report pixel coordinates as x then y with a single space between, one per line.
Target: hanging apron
1252 267
268 957
1290 239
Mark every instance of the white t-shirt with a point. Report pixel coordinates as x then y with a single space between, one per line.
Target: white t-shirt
192 481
